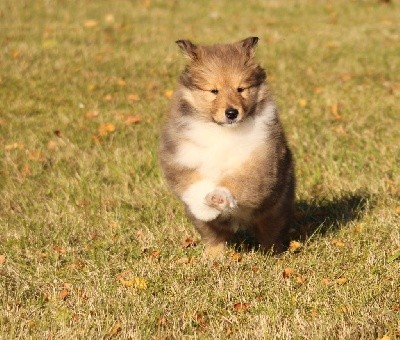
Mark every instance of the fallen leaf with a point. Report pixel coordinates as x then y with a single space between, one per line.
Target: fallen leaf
115 329
168 93
303 102
301 279
26 170
155 254
185 260
287 272
133 97
235 256
134 119
294 246
109 18
241 306
90 23
77 265
398 210
2 259
136 282
326 281
188 242
337 243
341 280
59 249
121 82
346 77
16 54
35 155
63 294
106 129
318 90
358 228
108 98
92 114
162 321
335 111
201 319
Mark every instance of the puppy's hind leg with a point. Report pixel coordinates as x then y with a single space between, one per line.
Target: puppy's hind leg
214 238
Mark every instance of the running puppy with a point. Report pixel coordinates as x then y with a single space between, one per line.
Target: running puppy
223 150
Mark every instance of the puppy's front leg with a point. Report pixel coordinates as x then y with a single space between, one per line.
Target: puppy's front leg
195 197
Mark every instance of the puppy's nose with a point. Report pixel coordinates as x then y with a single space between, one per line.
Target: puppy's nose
231 113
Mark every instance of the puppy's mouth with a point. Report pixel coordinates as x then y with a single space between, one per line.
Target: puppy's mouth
228 121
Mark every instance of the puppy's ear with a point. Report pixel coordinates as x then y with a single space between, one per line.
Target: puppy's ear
249 45
188 48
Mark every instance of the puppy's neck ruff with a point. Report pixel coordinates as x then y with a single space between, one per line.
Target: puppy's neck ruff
215 150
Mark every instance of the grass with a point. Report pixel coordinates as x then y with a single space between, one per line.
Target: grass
91 238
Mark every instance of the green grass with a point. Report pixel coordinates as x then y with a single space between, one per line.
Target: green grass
77 210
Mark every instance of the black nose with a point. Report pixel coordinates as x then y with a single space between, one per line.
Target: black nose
231 113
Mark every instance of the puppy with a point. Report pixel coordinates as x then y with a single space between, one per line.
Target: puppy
223 150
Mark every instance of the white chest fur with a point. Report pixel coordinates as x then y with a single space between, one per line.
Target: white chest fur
215 150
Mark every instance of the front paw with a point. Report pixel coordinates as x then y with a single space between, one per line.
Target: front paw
221 199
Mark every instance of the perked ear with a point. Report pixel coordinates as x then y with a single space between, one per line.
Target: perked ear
188 48
249 45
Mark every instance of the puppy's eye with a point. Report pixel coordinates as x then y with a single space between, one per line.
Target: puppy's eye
240 89
215 91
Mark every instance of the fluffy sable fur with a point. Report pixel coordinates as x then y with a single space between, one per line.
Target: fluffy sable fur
232 169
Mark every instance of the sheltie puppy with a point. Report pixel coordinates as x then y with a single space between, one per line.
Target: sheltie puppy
223 150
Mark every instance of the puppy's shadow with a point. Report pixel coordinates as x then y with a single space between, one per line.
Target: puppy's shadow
318 217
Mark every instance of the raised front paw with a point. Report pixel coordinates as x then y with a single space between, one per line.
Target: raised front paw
221 199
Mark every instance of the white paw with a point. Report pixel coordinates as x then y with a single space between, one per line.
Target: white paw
194 197
221 199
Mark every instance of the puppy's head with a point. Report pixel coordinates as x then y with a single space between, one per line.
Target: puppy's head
223 83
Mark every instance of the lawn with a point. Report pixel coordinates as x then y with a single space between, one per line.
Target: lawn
92 242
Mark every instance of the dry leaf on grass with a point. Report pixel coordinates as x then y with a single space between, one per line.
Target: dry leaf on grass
235 256
341 280
108 98
294 246
300 279
121 82
241 306
168 93
155 254
90 23
201 319
63 294
335 111
26 170
91 114
287 272
188 242
2 259
303 102
106 129
337 243
136 282
133 97
134 119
